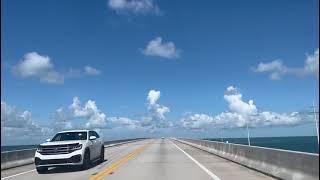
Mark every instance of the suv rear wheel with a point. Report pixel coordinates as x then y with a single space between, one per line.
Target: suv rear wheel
86 160
102 155
41 170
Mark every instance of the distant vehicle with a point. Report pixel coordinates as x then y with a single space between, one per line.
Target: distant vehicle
162 137
71 148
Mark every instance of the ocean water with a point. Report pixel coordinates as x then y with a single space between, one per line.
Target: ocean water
299 143
11 148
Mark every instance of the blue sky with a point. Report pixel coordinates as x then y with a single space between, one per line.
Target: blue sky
189 52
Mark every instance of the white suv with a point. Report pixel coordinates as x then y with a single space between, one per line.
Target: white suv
77 147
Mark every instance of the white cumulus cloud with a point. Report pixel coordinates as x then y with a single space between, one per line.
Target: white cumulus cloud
90 112
123 122
197 121
156 111
157 47
62 120
93 117
241 113
34 65
91 71
277 69
134 7
18 126
11 117
236 104
153 96
230 120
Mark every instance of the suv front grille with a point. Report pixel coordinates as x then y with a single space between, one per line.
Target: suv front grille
73 159
57 149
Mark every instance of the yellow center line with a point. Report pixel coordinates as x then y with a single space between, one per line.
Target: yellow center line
118 163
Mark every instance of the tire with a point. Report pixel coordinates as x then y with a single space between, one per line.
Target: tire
41 170
86 160
102 155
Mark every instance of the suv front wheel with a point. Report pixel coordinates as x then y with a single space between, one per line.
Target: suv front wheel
86 160
102 155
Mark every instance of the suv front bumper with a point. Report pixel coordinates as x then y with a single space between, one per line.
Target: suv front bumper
74 158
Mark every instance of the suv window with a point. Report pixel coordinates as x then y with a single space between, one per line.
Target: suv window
66 136
93 133
96 134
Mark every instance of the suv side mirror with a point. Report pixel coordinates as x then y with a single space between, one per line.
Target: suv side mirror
48 140
92 137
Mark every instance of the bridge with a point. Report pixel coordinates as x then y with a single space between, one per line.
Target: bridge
174 159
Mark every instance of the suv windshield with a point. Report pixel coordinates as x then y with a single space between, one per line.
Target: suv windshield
70 136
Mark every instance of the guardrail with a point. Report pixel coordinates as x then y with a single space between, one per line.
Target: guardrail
282 164
15 158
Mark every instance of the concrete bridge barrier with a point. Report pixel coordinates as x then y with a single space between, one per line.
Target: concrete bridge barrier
282 164
10 159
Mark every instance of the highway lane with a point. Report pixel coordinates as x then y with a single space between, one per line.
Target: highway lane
111 155
223 168
153 159
161 160
170 160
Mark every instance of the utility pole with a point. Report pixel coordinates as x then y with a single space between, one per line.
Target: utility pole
248 133
316 120
221 135
315 112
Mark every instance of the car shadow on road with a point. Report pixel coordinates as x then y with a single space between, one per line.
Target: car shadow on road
68 169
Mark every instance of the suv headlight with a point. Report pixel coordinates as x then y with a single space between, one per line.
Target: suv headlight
39 149
76 147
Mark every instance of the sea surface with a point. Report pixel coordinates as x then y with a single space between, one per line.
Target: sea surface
299 143
12 148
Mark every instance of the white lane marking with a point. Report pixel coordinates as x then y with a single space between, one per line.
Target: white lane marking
18 174
213 176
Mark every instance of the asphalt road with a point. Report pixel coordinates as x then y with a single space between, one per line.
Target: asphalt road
152 159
